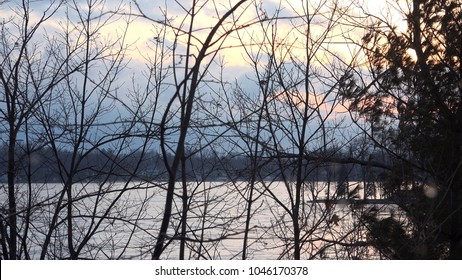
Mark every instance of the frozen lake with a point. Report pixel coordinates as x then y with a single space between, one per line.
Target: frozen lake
122 220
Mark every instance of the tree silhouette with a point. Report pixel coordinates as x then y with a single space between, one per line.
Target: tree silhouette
413 105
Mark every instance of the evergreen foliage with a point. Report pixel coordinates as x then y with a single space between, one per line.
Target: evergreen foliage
413 104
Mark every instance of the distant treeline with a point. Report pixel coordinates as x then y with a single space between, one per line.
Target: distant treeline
46 165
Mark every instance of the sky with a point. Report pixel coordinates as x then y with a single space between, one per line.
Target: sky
142 33
136 27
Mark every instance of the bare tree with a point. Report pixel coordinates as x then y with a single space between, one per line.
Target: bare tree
297 74
28 75
76 116
194 67
130 167
59 96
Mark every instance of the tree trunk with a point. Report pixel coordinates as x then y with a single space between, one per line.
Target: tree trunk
11 174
